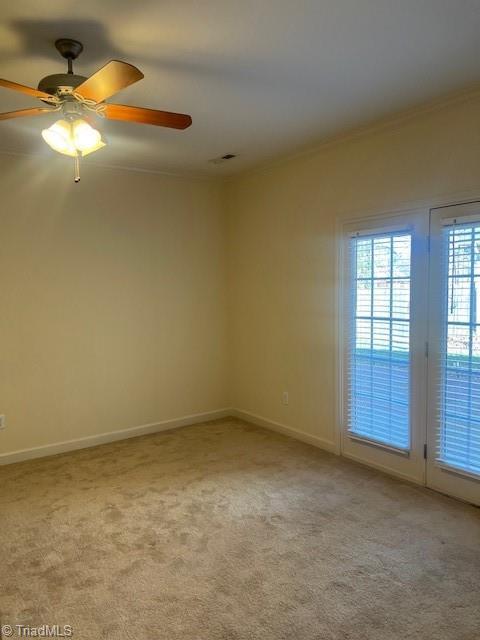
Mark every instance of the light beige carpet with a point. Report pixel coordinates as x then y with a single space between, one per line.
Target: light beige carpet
227 531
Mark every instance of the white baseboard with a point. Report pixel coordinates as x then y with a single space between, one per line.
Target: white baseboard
165 425
112 436
321 443
387 470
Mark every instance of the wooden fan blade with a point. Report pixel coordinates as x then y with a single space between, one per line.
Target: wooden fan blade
35 111
24 89
110 79
147 116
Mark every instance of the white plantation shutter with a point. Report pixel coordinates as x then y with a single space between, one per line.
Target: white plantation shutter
378 358
458 437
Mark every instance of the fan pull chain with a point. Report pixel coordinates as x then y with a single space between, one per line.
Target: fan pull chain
76 169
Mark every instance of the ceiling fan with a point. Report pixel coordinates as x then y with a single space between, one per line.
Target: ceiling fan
77 98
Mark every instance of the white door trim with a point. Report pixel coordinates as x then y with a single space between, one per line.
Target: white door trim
439 476
365 215
410 464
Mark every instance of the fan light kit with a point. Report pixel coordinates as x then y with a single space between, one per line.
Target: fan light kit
73 138
79 99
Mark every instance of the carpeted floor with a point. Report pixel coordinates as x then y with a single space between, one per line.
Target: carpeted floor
227 531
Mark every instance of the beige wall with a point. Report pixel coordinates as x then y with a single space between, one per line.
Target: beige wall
282 224
112 294
135 298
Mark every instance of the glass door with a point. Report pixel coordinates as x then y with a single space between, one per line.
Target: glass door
453 432
384 337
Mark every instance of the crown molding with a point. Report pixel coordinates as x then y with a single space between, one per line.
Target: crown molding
390 122
168 174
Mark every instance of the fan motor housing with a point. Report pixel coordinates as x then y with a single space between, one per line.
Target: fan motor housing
60 83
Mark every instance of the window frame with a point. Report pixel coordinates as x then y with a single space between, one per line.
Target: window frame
410 464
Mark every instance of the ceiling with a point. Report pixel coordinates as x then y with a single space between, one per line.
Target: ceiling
261 78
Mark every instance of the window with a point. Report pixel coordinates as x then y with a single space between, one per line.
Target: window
379 338
458 443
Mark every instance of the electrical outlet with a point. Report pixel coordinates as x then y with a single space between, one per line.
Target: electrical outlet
285 397
3 424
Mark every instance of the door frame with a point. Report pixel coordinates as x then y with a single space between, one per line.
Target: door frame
353 215
406 465
424 205
442 478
